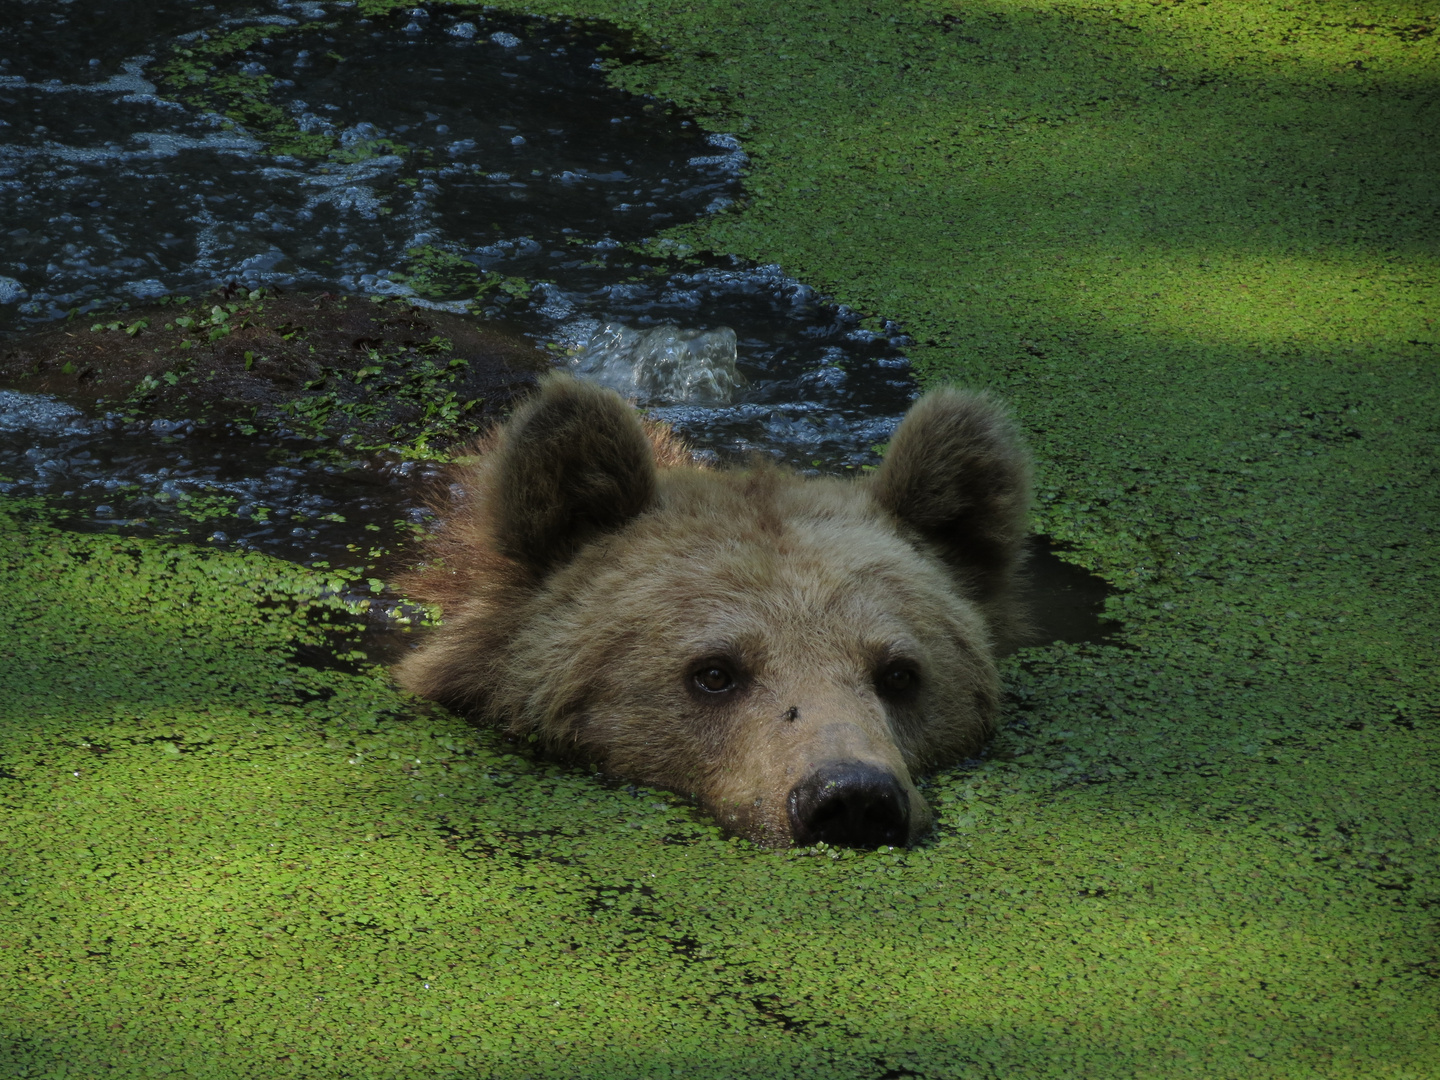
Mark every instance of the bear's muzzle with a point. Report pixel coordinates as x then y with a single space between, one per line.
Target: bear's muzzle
850 804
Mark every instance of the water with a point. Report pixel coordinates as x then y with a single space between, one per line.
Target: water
665 365
112 191
467 160
209 484
491 141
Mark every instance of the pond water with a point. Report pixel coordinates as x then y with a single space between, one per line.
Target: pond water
429 155
207 483
490 144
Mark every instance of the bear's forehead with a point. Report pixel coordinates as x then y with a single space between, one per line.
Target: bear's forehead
724 560
774 543
777 611
768 616
765 508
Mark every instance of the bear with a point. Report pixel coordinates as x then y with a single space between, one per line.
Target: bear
789 651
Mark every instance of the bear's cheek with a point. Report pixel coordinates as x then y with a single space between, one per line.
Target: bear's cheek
752 763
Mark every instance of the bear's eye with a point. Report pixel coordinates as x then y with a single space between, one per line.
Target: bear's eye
897 680
714 679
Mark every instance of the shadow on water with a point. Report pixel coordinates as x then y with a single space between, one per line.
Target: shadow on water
1062 601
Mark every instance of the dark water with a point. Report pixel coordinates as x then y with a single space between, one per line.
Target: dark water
209 484
497 140
491 140
494 140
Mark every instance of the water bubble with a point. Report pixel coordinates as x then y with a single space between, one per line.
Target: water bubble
466 30
360 134
730 163
148 289
504 40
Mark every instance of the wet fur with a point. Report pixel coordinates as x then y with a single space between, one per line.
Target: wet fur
590 565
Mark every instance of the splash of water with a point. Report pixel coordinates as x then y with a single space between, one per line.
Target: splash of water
664 365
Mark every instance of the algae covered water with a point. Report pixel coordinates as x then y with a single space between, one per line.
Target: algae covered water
1186 241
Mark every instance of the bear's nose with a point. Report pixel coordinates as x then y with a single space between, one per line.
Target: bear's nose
850 804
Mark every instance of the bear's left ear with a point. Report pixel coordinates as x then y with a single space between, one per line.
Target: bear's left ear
572 463
957 474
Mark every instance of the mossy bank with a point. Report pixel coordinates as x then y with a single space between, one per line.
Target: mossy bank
1193 245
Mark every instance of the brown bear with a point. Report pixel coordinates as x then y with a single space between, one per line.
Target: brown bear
789 651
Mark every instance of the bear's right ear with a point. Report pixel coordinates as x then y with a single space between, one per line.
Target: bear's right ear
572 463
957 474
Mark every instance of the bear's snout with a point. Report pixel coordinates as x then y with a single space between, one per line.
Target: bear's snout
850 804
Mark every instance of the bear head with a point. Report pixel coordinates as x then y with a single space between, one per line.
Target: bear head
792 652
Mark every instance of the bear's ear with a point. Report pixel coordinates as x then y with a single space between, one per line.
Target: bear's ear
957 473
572 463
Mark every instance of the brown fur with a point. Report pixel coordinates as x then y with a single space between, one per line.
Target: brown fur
591 570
